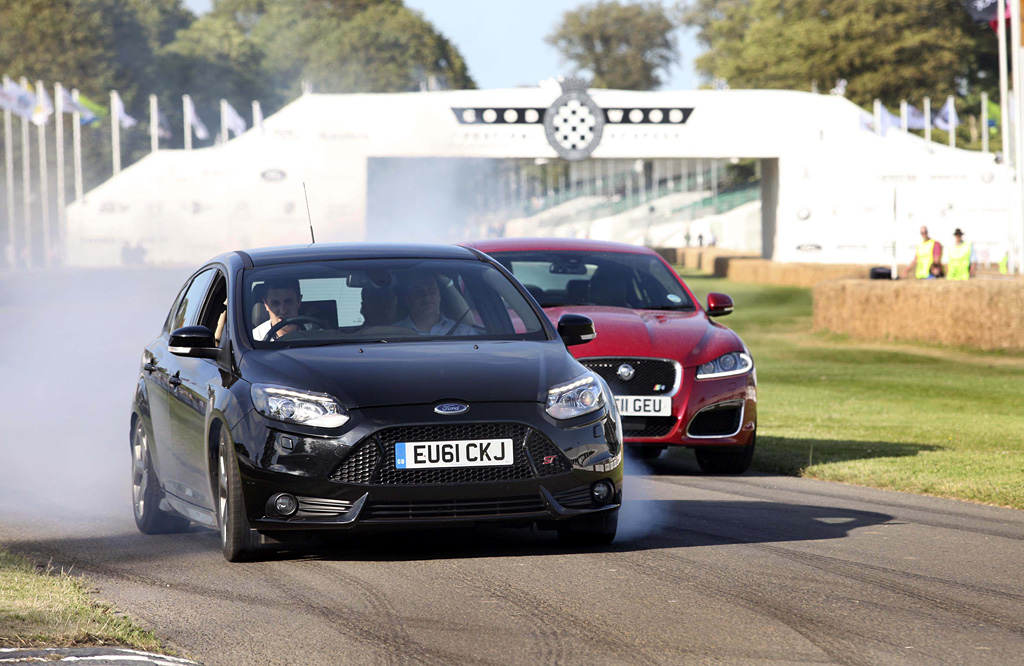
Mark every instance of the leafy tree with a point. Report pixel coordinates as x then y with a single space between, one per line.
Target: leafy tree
889 49
356 46
624 46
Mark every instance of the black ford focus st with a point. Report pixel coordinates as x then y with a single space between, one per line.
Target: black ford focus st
340 387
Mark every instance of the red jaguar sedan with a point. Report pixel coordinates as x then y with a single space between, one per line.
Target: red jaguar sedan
680 378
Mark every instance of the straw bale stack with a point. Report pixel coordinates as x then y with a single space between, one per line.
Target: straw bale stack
765 271
981 313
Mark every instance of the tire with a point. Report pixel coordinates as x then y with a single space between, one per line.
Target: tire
590 530
146 493
644 452
238 541
732 460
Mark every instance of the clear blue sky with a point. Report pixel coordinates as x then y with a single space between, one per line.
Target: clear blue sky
503 42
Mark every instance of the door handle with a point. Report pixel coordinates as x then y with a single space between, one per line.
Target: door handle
174 380
149 367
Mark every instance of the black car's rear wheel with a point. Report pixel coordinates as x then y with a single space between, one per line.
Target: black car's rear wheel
146 495
732 460
238 541
596 530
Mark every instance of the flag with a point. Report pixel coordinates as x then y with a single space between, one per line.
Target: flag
982 11
44 107
197 123
163 128
98 110
915 118
889 120
122 115
994 116
17 100
232 120
70 106
840 88
946 118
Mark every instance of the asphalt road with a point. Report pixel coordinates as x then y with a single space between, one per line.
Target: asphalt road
707 570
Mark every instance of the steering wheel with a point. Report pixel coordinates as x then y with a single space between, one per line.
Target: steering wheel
291 321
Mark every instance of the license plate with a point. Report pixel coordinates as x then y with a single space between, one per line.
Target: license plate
463 453
644 405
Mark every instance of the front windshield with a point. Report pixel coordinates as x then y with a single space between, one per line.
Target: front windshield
616 279
383 300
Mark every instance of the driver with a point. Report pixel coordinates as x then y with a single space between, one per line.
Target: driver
422 297
281 298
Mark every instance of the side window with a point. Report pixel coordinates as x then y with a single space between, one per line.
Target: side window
174 309
215 311
188 308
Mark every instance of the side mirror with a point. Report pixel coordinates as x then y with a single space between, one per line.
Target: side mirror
194 342
719 305
576 329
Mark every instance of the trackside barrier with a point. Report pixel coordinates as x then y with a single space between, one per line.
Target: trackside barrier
984 313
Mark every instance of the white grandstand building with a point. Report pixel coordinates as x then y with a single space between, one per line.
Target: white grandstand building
640 167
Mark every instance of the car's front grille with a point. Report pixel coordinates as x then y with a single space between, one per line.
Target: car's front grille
647 426
461 508
650 376
372 460
716 421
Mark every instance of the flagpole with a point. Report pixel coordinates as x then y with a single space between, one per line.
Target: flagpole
927 118
949 121
12 254
904 123
154 124
44 184
984 122
257 115
1018 136
58 103
186 103
115 131
76 149
26 185
223 122
876 109
1004 116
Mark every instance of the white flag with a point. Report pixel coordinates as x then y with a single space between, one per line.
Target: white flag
163 128
70 106
915 118
44 107
889 120
946 117
197 124
17 100
126 120
232 120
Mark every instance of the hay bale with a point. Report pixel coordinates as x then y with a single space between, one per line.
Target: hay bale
982 314
764 271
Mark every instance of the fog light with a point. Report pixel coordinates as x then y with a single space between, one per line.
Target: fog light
602 492
286 504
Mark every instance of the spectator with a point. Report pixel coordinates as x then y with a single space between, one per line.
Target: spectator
962 261
929 251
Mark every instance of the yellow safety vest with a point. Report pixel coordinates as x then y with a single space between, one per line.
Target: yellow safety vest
1004 264
924 258
959 262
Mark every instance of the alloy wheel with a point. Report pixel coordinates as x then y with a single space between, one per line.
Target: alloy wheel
140 470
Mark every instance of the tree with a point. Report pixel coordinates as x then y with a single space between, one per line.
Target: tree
624 46
357 46
889 49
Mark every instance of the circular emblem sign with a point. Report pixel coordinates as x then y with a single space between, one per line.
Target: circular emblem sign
451 408
625 372
574 122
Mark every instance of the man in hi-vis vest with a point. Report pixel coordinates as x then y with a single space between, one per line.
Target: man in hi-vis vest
961 258
929 252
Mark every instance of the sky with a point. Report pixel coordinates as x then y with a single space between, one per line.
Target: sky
503 42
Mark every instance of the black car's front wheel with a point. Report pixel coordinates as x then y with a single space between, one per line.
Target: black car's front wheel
596 530
149 517
238 541
731 460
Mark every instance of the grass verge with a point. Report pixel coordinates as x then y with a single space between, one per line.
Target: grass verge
918 418
41 607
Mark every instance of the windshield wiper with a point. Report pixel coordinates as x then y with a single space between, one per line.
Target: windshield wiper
671 308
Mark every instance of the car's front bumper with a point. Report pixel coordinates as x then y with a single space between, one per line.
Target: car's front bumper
342 484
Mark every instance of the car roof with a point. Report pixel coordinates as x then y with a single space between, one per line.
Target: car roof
556 244
268 256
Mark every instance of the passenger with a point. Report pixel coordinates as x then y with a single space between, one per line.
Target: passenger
379 306
422 297
281 298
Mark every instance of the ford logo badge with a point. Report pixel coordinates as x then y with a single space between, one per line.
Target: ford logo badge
451 408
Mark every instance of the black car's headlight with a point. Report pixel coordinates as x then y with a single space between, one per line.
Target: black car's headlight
302 407
580 396
727 365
